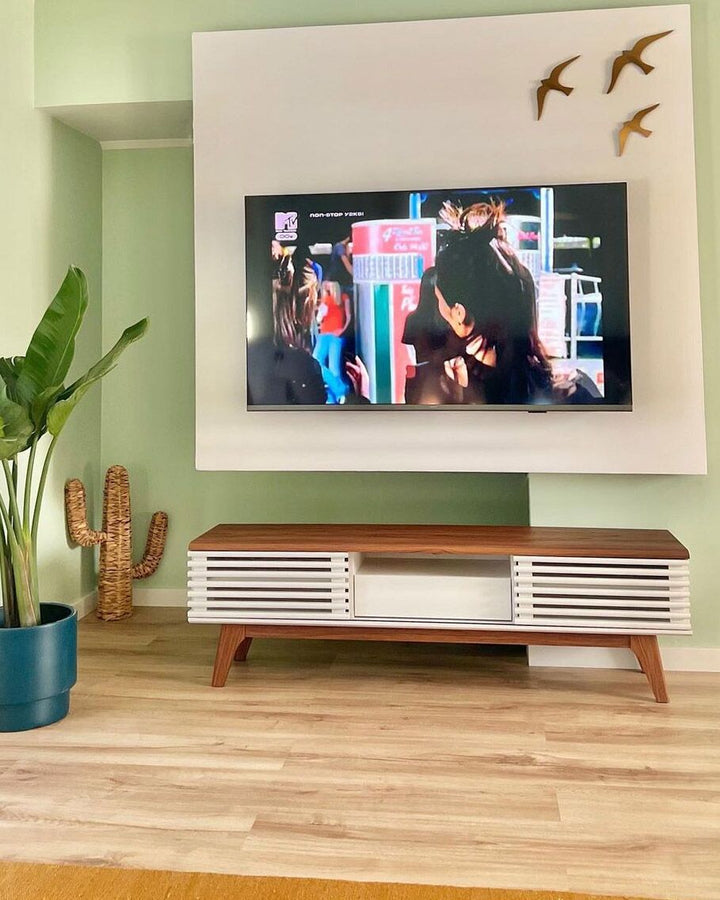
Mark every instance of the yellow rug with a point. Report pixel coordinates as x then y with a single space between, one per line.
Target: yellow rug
26 881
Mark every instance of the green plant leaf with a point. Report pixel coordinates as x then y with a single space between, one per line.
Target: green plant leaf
52 346
42 404
10 368
71 396
60 413
15 428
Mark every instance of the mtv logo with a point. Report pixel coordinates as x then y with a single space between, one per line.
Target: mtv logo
286 221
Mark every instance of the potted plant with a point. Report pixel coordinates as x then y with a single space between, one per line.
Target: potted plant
38 640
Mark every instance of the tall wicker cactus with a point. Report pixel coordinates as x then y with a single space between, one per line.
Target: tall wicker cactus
116 568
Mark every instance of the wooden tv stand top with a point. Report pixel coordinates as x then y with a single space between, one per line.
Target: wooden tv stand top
480 540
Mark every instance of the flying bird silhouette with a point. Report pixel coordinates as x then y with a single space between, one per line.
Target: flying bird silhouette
552 83
634 56
633 125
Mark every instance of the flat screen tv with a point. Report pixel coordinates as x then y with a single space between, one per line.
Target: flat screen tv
486 298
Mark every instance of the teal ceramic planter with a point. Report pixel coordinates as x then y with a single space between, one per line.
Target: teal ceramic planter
38 666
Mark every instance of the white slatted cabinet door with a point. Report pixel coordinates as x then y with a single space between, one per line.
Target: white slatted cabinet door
228 587
591 594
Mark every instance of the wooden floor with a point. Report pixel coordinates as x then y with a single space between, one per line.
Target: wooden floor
377 762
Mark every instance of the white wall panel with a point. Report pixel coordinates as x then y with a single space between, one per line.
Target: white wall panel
441 104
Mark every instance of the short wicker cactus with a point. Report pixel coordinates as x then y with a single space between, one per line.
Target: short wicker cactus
116 568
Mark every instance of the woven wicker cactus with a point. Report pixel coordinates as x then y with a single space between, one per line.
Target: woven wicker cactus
117 571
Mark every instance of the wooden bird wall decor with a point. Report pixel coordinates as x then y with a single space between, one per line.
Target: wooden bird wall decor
634 56
634 125
552 83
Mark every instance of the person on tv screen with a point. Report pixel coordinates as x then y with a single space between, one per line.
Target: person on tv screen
281 369
432 382
340 266
475 328
333 318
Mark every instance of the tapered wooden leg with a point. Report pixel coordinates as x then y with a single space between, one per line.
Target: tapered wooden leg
645 647
231 637
242 650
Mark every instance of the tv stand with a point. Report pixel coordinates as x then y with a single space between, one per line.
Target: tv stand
441 583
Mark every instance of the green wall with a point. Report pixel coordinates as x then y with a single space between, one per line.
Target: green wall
97 51
148 405
50 182
101 51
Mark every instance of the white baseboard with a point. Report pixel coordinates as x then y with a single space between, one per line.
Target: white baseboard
691 659
675 659
84 605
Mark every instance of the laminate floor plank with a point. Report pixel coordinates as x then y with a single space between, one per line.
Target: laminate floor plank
389 762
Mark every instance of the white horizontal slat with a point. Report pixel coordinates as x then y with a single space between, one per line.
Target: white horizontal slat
611 625
562 561
239 591
581 591
291 605
261 600
287 574
265 575
263 554
262 565
528 602
237 613
242 615
276 583
584 612
245 574
223 589
528 571
269 585
311 575
614 581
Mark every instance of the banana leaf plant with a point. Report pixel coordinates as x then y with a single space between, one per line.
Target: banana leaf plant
34 402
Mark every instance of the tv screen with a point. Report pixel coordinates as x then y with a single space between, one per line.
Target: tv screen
486 298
